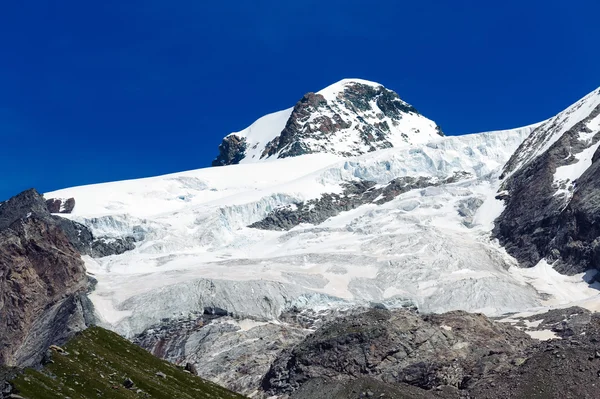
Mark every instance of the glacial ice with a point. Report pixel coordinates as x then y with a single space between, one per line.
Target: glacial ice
195 251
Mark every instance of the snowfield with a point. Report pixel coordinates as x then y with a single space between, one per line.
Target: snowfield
428 247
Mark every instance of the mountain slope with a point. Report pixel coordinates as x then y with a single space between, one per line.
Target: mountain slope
339 227
550 191
350 117
98 363
42 281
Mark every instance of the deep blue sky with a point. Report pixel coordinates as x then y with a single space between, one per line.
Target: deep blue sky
109 90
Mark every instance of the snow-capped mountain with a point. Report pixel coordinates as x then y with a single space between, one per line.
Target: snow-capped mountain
348 118
362 201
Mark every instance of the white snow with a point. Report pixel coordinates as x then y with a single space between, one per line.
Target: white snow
565 176
192 235
548 132
195 250
261 132
562 289
542 335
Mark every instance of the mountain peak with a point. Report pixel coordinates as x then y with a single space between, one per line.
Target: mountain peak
348 118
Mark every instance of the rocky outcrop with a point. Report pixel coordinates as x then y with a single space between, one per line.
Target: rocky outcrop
315 120
60 205
354 194
42 277
577 242
231 151
553 369
401 354
233 353
546 217
31 203
400 347
42 281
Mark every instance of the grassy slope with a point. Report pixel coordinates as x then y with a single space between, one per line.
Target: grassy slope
97 363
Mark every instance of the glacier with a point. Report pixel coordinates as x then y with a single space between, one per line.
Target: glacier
195 251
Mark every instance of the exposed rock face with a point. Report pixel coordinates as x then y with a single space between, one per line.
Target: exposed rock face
231 151
315 121
555 369
547 215
578 239
60 205
348 118
401 354
42 281
31 203
235 354
354 195
400 347
362 388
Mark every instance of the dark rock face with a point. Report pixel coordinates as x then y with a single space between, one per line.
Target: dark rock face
31 203
578 239
401 354
540 221
400 347
216 348
42 277
356 98
556 369
60 205
354 195
231 151
314 121
296 126
362 388
42 282
111 246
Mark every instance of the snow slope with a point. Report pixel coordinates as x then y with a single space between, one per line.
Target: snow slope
261 132
550 131
429 247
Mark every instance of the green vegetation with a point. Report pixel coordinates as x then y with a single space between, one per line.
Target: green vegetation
96 364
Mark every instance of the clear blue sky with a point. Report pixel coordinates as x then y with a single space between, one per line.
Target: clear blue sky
110 90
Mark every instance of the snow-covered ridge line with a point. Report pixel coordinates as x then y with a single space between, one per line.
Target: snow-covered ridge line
550 131
347 118
303 177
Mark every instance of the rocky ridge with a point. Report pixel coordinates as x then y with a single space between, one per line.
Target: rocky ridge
550 191
349 118
401 354
354 195
42 281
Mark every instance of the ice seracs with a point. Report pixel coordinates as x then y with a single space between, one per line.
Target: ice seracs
195 251
429 246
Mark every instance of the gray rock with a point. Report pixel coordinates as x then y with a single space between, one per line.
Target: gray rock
313 120
399 347
541 222
44 300
354 195
231 151
189 367
60 205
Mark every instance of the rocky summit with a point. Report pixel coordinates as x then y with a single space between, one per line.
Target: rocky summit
354 252
348 118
